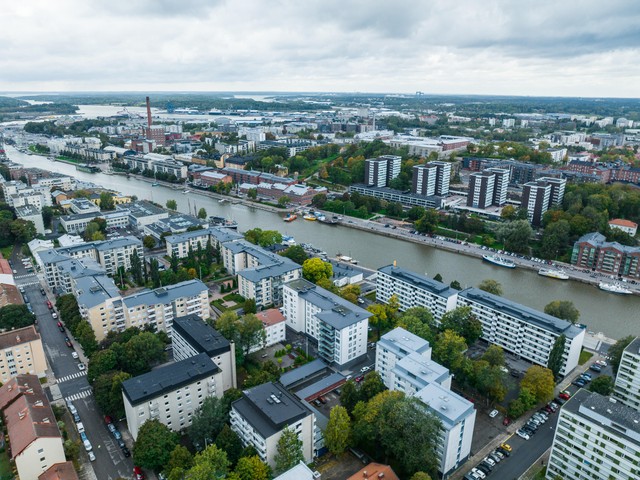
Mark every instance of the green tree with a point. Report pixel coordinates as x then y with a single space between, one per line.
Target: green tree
229 442
251 333
23 231
264 238
107 389
172 205
616 351
563 309
515 235
350 293
283 200
140 352
86 337
47 216
249 306
421 476
491 286
449 351
288 451
100 363
314 269
555 356
539 381
455 284
414 213
349 396
180 458
508 212
428 222
462 321
494 355
202 213
208 464
489 380
15 316
296 253
154 445
338 431
149 242
208 421
603 385
106 201
252 468
438 277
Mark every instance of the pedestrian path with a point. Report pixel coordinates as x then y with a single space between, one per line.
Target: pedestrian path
66 378
78 396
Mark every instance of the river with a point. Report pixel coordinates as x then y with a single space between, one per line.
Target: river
614 315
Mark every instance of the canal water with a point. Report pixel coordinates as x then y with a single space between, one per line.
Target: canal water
614 315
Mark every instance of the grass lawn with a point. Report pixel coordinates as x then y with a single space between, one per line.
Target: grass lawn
234 297
6 251
584 357
5 467
371 296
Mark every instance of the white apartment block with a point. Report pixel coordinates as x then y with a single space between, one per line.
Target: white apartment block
521 330
596 438
180 244
21 353
274 325
193 336
404 363
18 194
171 393
443 177
339 326
263 412
414 290
424 179
627 387
31 214
77 223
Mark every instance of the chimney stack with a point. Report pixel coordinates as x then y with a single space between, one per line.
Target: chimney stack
148 114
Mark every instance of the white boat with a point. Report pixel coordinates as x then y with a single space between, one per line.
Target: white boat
289 241
498 260
550 272
614 288
185 191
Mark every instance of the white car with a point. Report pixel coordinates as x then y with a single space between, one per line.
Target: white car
522 434
54 315
478 473
92 456
81 366
87 446
74 355
494 413
365 369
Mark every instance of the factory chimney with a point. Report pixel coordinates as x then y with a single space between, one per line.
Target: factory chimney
148 114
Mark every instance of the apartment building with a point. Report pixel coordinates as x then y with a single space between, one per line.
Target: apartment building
404 363
521 330
380 171
593 252
540 195
261 273
32 430
391 195
443 177
339 326
17 194
627 386
626 226
500 185
171 393
142 213
274 325
596 438
33 214
424 179
180 244
488 188
21 353
414 290
77 222
263 412
60 471
193 336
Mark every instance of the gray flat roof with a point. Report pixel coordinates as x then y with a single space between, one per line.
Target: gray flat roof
165 295
521 312
168 378
421 281
634 346
405 340
117 243
305 371
222 235
320 385
448 406
200 335
269 408
95 290
142 208
335 311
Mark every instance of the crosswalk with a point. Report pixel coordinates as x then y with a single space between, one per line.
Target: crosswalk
28 279
66 378
78 396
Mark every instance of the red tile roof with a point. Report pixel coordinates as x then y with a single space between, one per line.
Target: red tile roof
623 223
270 317
16 337
375 471
60 471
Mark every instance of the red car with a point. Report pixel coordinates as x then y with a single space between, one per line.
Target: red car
49 305
107 419
506 422
137 473
564 396
359 378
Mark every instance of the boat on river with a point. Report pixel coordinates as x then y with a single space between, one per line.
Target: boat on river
291 217
614 288
499 261
553 273
87 168
310 216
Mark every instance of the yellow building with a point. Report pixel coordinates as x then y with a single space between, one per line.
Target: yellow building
21 353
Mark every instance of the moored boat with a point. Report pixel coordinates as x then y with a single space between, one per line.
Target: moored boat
614 288
290 218
498 260
553 273
310 216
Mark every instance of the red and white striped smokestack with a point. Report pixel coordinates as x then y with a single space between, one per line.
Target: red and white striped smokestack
148 114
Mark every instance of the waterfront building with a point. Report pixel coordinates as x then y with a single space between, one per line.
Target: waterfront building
378 172
391 195
180 244
627 386
263 412
142 213
443 177
414 290
596 438
540 195
481 188
626 226
526 332
593 252
21 353
77 223
171 393
339 326
424 179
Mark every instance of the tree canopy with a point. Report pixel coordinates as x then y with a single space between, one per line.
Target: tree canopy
288 451
563 309
491 286
539 381
15 316
338 431
315 269
264 238
152 449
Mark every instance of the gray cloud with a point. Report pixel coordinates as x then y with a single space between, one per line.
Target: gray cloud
493 46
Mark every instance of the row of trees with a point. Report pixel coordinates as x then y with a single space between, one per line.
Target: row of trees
15 316
67 306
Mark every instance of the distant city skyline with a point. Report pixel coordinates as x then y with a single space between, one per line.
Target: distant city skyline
494 47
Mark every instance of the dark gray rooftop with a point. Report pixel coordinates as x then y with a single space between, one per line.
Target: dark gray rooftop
166 295
522 312
168 378
303 372
200 335
420 281
269 408
634 346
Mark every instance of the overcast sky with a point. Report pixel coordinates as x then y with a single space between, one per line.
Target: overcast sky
520 47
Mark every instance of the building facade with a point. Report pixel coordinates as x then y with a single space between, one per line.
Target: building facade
21 353
171 393
593 252
627 386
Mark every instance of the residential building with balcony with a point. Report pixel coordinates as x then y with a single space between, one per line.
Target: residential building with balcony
180 243
33 214
627 386
263 412
593 252
339 326
595 438
193 336
171 393
526 332
274 325
414 290
21 353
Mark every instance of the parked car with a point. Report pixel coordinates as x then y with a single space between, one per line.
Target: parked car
121 443
43 292
560 401
489 461
92 456
564 395
322 400
506 446
68 342
506 453
494 457
579 382
83 436
54 315
506 422
493 413
137 473
523 434
107 419
601 363
484 468
87 445
74 354
595 368
478 473
126 452
76 417
365 369
359 378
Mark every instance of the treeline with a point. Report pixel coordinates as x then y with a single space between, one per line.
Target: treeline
69 311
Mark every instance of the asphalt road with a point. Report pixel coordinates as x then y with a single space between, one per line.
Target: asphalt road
110 462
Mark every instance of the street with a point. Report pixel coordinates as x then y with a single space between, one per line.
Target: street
110 462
